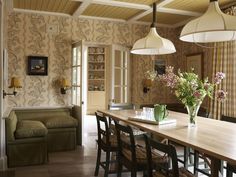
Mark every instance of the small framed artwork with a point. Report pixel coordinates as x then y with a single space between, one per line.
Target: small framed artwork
195 61
37 65
160 66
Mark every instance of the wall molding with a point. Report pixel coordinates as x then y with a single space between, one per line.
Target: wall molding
3 163
41 107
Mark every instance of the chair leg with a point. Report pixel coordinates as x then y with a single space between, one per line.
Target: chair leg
145 173
196 163
107 164
133 173
119 169
98 161
191 158
186 155
229 173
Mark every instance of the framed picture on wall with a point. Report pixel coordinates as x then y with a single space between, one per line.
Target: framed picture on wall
160 66
37 65
195 61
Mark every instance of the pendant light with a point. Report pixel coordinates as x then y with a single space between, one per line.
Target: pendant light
153 43
212 26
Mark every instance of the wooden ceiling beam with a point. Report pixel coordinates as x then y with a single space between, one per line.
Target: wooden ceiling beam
122 21
82 7
179 12
122 4
40 12
140 15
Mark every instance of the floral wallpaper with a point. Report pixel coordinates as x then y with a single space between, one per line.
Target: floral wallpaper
28 34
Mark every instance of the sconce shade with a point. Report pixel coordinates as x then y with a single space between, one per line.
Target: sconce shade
212 26
65 83
147 82
15 83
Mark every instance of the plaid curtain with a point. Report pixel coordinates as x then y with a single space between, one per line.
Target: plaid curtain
224 60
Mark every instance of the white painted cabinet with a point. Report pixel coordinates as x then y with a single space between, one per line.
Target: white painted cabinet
96 100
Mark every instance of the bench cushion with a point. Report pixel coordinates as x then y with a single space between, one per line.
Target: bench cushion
60 122
11 123
29 129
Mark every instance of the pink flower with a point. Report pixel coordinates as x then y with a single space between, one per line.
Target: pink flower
197 94
206 86
221 95
170 79
219 76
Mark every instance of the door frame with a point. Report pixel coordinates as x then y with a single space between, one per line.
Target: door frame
80 109
112 93
3 157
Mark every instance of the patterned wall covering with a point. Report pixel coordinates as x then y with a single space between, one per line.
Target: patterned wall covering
28 35
158 93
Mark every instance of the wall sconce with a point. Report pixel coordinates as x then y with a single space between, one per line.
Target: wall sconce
64 86
147 84
15 83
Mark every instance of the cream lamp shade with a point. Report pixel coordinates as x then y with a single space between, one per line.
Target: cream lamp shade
65 83
15 83
153 43
212 26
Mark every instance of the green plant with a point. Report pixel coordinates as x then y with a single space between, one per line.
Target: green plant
189 88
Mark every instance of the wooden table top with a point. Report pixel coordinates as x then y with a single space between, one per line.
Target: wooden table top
213 137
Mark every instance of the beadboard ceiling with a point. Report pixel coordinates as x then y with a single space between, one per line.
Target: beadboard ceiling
170 13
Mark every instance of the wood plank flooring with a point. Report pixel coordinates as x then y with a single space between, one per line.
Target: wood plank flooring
78 163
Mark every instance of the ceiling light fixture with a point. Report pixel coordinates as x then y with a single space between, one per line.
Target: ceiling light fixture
212 26
153 43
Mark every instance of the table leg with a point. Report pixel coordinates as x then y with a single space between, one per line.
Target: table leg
215 167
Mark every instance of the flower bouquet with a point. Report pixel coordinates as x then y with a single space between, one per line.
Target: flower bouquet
149 77
191 90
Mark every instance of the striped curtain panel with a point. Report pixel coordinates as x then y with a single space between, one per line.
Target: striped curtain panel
224 60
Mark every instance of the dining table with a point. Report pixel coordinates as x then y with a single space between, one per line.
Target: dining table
215 138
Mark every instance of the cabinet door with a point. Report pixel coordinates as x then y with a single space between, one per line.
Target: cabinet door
120 89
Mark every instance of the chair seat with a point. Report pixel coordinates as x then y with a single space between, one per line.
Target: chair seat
182 173
112 139
141 156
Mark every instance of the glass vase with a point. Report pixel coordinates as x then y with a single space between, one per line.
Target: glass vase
192 112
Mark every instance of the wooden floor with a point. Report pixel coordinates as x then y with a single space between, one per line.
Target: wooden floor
78 163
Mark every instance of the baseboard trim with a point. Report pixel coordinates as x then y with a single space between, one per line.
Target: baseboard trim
3 163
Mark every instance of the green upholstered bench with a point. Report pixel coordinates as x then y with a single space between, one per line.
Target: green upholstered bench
32 133
26 142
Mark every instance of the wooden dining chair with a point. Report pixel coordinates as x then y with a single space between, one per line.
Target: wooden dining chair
230 169
131 155
107 141
159 170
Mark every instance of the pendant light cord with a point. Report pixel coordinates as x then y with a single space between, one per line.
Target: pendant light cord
154 6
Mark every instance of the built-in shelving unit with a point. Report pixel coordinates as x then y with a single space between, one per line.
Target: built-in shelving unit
96 69
96 78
